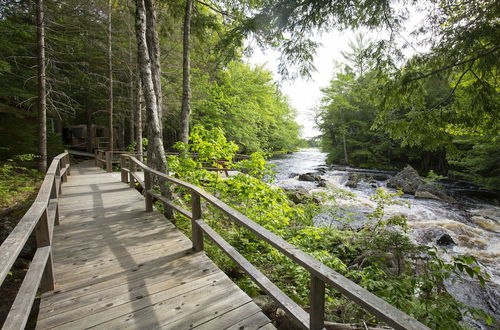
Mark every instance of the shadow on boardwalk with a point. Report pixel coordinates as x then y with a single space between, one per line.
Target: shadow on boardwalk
117 266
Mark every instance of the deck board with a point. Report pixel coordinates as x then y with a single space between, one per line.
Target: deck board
117 266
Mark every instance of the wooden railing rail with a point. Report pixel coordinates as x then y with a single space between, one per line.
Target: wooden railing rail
106 158
320 274
41 218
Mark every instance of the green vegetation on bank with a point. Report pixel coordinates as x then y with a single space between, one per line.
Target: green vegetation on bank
363 123
379 257
225 91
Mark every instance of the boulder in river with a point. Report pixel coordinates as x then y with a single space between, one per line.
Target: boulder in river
433 191
407 180
310 177
445 240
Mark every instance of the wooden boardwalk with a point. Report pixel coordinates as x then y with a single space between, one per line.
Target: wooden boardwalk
117 266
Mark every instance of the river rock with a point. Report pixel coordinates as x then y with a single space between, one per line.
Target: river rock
407 180
353 180
470 292
380 177
445 240
433 191
310 177
300 195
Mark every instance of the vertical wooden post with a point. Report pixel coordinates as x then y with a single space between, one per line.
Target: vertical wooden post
43 238
147 187
109 161
68 163
196 232
62 163
96 156
123 164
317 304
54 196
132 168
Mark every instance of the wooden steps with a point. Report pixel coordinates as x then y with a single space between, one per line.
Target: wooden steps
117 266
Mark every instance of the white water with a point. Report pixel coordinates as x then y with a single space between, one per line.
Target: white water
474 226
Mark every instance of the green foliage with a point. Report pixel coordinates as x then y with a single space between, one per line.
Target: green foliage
433 177
16 180
380 257
255 115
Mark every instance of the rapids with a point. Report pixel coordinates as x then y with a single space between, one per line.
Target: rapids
473 224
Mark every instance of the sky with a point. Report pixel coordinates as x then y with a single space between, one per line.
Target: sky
304 94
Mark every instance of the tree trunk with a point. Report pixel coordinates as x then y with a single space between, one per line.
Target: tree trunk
186 74
345 149
155 147
42 95
110 80
90 135
153 43
131 86
138 119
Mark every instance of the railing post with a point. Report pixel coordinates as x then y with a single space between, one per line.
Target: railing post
54 194
317 304
96 156
109 161
132 168
68 163
123 164
62 163
196 232
147 187
43 238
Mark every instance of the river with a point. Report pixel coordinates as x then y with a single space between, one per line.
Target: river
473 224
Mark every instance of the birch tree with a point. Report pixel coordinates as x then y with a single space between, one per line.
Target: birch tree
186 74
148 67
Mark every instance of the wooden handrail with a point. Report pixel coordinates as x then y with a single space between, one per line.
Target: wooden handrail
41 218
320 273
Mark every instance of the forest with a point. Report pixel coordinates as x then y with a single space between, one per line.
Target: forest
169 79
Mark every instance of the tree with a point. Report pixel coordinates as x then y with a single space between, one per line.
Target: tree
146 13
42 102
186 74
110 79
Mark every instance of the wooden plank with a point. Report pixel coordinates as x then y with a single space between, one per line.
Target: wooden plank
111 242
294 310
222 321
68 270
92 297
204 313
252 322
168 308
148 269
61 316
127 261
21 308
119 316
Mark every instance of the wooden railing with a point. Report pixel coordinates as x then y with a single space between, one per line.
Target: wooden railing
320 274
41 218
105 158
